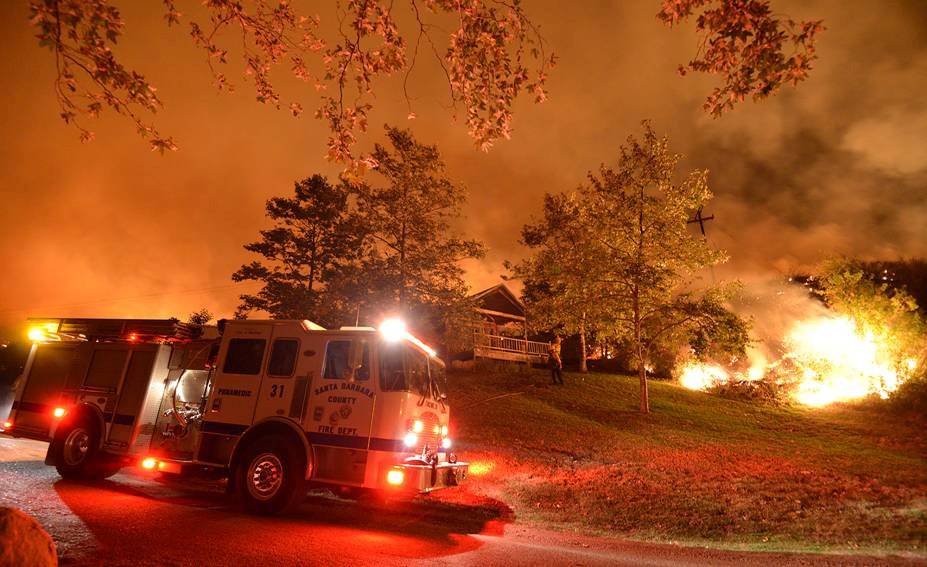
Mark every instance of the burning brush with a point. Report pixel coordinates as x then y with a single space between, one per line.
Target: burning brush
824 360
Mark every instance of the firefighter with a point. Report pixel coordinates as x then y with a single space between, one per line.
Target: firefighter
556 364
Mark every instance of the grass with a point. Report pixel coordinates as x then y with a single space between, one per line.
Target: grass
698 469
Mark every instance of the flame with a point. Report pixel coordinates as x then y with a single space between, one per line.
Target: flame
700 376
827 360
840 362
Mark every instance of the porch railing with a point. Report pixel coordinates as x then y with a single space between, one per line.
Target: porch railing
509 348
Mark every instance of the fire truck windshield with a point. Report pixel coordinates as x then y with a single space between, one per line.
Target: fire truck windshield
405 368
438 377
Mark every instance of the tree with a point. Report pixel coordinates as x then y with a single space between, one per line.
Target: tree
199 319
745 43
649 257
887 313
312 238
411 257
560 291
493 54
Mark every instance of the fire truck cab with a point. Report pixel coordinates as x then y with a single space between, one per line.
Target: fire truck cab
276 406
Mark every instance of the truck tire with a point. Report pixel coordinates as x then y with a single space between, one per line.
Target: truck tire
77 454
271 476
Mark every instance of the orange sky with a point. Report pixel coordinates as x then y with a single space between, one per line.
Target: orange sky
109 229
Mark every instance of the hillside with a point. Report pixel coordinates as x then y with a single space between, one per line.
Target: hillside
700 469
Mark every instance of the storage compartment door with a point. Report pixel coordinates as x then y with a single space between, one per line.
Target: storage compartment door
45 379
128 408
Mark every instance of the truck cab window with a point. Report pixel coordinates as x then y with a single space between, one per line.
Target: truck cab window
392 376
417 371
283 357
438 376
403 369
244 356
341 362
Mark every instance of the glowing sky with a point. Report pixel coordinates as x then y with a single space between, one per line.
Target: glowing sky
838 165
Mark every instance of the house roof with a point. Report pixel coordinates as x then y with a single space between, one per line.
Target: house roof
499 300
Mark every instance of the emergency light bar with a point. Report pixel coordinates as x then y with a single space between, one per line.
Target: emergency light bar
55 329
394 330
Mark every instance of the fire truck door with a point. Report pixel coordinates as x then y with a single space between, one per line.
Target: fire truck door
286 377
233 397
341 406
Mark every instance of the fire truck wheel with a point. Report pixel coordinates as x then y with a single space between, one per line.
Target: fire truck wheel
76 448
271 476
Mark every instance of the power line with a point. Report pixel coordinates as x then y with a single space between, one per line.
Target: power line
121 299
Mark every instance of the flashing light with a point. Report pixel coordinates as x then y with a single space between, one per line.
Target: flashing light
444 431
395 477
7 424
133 337
446 442
149 463
417 426
393 330
410 439
60 412
40 333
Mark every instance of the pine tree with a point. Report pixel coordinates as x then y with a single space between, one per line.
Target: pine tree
313 237
411 262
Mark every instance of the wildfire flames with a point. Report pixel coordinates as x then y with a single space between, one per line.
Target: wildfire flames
826 360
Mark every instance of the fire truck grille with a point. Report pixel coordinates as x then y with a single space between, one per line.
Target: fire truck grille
431 432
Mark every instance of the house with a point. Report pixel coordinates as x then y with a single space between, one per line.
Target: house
500 329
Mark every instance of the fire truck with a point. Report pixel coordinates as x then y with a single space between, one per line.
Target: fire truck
276 407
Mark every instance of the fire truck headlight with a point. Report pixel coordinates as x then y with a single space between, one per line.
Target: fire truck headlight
7 424
446 442
393 329
417 426
410 440
149 463
443 431
395 477
60 412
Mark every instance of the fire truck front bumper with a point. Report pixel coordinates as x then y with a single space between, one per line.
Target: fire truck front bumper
418 477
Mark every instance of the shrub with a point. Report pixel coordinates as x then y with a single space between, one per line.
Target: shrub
757 391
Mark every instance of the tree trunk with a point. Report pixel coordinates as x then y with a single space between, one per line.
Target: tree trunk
642 373
638 339
582 346
639 347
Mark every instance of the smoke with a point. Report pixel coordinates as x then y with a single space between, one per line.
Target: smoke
774 307
834 166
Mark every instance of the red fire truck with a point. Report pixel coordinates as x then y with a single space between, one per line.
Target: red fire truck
274 406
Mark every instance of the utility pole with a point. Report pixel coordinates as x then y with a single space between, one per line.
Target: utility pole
701 220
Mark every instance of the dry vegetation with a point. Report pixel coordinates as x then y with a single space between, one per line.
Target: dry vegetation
699 469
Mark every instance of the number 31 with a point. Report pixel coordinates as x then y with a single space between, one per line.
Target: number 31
276 391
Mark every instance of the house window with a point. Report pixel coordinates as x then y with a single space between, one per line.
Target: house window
244 356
